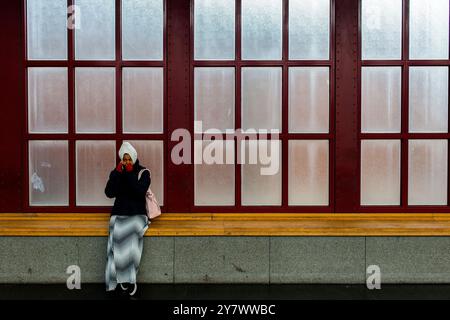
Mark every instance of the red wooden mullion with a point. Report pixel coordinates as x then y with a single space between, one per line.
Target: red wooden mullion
332 108
285 109
118 68
24 56
179 177
347 144
405 108
71 114
448 130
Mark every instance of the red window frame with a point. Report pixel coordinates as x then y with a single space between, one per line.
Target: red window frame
404 136
284 136
71 63
178 179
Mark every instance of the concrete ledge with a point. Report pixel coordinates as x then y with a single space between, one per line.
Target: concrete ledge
244 260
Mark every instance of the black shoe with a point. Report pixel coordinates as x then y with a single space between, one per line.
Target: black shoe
117 293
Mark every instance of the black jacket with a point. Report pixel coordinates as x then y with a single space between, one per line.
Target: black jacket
128 191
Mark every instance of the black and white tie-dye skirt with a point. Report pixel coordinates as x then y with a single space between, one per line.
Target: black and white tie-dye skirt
125 242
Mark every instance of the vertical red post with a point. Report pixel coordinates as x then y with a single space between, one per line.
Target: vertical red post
12 105
347 149
179 177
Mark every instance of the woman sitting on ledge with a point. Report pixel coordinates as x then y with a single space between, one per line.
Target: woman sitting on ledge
128 222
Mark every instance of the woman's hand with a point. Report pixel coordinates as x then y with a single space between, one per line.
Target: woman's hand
120 166
129 167
124 165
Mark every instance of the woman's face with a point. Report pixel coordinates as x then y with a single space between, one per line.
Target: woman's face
127 159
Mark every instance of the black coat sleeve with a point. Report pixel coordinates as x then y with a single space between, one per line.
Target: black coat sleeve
139 187
112 186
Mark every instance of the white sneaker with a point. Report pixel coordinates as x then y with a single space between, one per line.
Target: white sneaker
123 288
134 291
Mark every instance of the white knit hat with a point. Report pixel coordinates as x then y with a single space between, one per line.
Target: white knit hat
128 148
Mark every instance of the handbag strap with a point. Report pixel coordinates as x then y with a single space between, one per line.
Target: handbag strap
140 172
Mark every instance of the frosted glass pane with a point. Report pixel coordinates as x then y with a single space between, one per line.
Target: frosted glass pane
47 100
143 98
48 173
428 99
381 99
47 29
381 29
427 172
261 29
214 97
309 99
257 188
380 172
309 29
151 156
95 100
309 172
214 29
214 180
428 29
261 98
95 38
94 162
142 29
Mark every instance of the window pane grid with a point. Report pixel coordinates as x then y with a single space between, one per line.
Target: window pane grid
413 113
416 125
265 95
66 68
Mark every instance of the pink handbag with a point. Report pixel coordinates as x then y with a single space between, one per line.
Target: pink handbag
151 204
